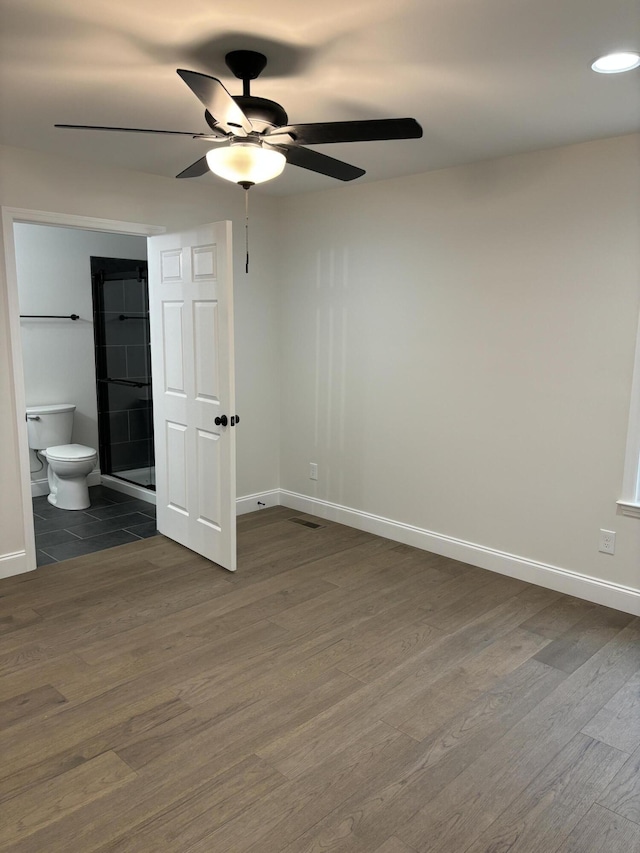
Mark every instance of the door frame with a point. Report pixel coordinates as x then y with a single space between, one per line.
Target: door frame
10 216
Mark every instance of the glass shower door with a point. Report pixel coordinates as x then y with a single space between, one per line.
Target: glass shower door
123 369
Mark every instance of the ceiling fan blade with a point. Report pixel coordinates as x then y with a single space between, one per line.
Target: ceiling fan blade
195 170
218 101
214 137
316 162
352 131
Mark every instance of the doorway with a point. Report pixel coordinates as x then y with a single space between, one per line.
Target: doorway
199 259
25 560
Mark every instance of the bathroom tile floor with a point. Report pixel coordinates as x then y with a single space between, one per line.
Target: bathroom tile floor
112 519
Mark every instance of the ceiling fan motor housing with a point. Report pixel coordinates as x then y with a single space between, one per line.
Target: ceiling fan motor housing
261 112
247 65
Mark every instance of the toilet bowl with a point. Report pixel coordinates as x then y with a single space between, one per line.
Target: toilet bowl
69 466
49 429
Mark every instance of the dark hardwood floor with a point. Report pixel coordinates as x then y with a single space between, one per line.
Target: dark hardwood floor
339 692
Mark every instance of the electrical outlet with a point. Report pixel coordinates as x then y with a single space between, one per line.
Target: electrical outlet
313 471
607 542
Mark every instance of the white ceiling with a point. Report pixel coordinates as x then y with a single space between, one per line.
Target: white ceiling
485 78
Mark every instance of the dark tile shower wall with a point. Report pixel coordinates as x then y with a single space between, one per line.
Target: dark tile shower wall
125 417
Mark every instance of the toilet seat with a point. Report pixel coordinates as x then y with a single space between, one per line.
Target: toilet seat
70 453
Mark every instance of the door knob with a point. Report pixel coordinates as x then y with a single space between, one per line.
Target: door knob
221 421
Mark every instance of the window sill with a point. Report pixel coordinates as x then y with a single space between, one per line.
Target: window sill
631 508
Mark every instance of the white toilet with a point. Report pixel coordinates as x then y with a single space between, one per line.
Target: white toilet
49 429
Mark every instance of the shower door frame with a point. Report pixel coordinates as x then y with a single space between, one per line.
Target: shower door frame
26 562
103 394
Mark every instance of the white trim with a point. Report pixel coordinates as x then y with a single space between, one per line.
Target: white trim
260 500
631 478
631 508
39 488
128 488
608 594
83 223
11 215
14 564
13 311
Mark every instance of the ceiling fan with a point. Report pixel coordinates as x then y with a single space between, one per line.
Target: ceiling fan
252 138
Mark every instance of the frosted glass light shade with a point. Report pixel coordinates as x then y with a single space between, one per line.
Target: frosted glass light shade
250 163
616 63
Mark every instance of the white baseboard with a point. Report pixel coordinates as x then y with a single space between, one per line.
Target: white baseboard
39 487
261 500
601 592
608 594
14 564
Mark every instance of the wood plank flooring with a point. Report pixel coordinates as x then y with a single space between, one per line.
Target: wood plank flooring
340 692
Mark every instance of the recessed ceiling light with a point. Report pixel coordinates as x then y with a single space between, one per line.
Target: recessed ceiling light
616 63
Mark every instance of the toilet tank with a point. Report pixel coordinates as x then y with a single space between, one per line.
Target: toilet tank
48 426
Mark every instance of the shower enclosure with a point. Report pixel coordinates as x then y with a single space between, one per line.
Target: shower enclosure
123 369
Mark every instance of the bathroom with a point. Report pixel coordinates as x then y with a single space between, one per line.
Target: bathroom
103 371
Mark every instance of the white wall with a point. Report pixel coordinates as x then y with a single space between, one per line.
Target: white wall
457 352
35 181
54 277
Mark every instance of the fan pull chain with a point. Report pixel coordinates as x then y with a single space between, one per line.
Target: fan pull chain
246 185
246 228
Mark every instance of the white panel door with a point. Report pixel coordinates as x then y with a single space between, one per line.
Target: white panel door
191 313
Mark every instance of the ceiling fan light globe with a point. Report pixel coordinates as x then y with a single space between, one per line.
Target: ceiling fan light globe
246 163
